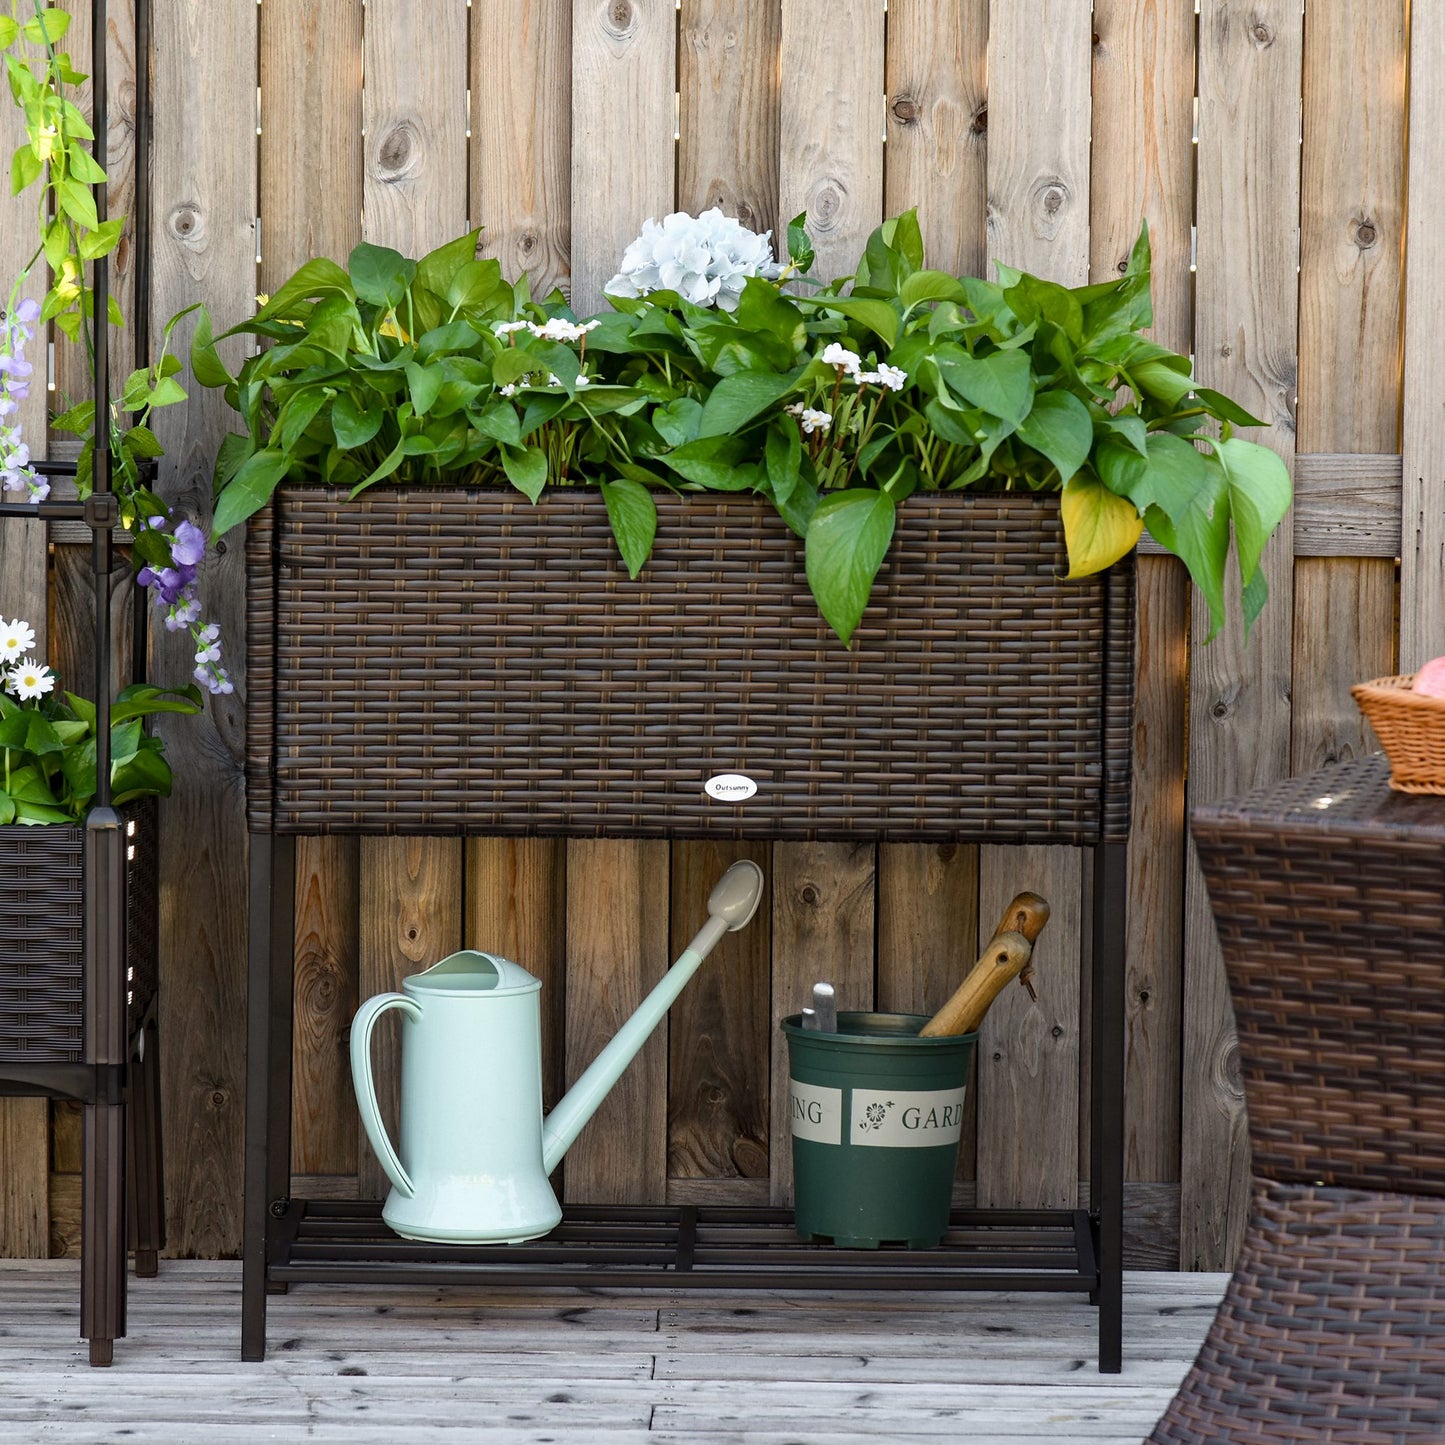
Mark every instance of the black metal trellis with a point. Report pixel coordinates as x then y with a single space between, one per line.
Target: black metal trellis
102 1081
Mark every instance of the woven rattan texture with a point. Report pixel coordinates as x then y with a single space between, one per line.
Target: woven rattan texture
42 950
1329 896
42 1014
428 660
1411 728
1332 1331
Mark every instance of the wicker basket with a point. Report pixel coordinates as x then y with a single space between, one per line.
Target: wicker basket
1411 727
42 952
449 660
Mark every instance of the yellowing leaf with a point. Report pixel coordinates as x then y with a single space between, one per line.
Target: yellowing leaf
1099 527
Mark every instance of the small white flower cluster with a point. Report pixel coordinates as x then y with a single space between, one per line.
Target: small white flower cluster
851 365
811 420
706 259
22 675
512 387
555 329
16 473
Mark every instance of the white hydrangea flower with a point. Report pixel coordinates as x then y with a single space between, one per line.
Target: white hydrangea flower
16 639
706 259
818 421
506 328
510 389
30 679
836 354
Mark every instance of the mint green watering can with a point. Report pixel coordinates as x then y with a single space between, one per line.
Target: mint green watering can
475 1150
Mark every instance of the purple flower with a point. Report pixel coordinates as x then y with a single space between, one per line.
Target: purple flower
168 582
28 311
188 546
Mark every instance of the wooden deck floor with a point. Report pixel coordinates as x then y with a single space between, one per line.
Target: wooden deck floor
373 1366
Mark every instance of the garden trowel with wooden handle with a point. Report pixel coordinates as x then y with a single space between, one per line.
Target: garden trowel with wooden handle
1007 956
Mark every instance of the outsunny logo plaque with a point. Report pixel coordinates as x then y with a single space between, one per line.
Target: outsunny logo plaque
730 787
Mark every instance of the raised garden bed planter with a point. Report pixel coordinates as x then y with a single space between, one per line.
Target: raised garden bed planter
496 662
443 659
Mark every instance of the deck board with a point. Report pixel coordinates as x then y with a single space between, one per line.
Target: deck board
368 1364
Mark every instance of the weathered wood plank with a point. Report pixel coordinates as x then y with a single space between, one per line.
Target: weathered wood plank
203 226
937 127
328 950
1422 542
1143 100
411 918
728 111
927 929
1038 137
311 58
1028 1053
1352 233
521 155
24 1178
720 1029
624 74
311 66
1038 219
516 905
833 82
1239 735
616 951
414 198
823 931
414 111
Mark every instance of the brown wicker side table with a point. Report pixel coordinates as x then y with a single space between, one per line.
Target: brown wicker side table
1329 895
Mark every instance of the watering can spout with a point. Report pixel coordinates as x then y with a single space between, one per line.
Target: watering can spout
730 906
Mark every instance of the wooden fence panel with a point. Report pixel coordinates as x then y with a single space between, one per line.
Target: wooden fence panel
937 152
1422 543
1143 101
586 117
1245 345
1353 231
832 126
311 57
521 156
624 72
1038 218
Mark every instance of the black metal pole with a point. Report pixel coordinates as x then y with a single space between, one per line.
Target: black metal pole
141 270
102 1294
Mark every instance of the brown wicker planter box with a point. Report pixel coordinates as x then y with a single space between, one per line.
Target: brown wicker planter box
435 660
42 955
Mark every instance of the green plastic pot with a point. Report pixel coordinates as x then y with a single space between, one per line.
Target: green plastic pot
876 1115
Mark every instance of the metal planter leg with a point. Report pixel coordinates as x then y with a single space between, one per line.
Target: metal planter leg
268 1073
1106 1166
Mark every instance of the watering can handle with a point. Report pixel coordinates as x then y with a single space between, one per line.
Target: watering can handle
365 1084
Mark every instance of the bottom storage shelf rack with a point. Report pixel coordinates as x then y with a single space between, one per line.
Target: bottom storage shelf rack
692 1247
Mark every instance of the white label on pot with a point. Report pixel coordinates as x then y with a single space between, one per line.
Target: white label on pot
730 787
817 1112
907 1118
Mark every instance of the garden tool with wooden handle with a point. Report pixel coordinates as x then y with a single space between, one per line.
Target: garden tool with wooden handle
1008 956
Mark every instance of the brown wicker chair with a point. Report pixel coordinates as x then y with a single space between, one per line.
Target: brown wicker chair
1329 895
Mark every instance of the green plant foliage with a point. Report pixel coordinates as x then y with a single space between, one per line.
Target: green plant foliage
47 752
836 402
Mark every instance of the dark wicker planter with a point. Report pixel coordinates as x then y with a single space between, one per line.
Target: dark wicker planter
435 660
42 955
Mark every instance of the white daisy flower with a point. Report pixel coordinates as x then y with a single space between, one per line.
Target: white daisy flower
31 679
16 639
816 421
